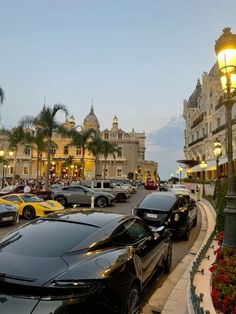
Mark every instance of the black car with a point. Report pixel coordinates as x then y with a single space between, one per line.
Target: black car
178 212
80 261
8 213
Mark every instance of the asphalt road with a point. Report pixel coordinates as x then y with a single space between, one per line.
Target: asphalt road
180 247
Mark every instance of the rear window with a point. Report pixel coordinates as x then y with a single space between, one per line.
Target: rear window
46 238
160 203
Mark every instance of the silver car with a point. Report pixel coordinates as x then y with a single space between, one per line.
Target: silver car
76 194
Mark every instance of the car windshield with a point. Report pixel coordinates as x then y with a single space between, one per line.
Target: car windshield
159 203
46 238
29 198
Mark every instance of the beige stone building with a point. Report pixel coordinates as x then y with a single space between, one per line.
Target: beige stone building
66 159
204 115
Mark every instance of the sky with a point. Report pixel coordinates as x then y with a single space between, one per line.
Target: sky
137 59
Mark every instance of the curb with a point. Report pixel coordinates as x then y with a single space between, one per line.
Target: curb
176 286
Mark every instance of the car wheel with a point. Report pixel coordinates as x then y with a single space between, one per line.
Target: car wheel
132 303
168 260
62 200
101 202
29 212
120 198
186 232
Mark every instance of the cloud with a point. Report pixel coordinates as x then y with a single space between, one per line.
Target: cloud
166 146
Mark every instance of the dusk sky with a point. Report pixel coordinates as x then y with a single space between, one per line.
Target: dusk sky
138 59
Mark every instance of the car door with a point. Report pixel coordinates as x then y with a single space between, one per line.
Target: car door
148 250
82 195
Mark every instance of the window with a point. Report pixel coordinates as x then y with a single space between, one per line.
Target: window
53 151
119 136
136 230
25 169
106 136
78 150
218 122
66 151
107 185
12 198
119 172
27 150
119 153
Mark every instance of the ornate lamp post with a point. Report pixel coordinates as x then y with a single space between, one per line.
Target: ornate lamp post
180 168
203 166
225 49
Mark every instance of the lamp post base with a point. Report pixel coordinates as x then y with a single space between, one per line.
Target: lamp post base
230 222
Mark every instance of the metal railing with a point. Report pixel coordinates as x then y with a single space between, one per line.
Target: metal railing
195 298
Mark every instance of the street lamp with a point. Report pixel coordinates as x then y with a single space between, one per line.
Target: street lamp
180 169
225 49
203 166
217 152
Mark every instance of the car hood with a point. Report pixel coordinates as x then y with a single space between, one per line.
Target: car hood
96 193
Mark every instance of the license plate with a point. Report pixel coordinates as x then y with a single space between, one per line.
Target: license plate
149 215
7 218
176 217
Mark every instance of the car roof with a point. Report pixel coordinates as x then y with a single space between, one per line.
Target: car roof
97 218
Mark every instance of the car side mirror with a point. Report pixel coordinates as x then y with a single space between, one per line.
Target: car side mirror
134 211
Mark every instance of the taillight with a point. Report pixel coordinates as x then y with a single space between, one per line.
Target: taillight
153 184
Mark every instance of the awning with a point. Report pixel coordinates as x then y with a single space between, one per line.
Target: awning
211 165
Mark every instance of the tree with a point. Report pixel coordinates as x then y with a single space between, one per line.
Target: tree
81 139
16 136
2 95
46 121
96 147
107 149
36 138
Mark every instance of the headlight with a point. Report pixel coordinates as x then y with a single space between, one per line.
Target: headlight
69 289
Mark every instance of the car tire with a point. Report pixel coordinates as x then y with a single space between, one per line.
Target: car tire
61 199
120 198
29 212
168 260
132 305
101 202
186 232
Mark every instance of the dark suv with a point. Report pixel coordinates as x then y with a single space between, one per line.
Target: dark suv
178 212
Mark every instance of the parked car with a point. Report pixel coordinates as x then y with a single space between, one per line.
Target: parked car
76 194
179 189
31 206
178 212
150 185
11 189
93 262
121 192
8 213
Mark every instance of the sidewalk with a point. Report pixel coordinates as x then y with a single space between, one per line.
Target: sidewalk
173 296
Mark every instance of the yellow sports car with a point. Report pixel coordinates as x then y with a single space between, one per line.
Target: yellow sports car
31 206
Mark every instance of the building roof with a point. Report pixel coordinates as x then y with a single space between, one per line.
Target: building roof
193 99
91 119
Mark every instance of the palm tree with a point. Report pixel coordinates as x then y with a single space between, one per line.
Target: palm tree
2 95
96 147
107 149
46 121
81 139
16 136
37 138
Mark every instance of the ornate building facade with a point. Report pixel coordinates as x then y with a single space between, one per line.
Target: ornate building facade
66 159
205 119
